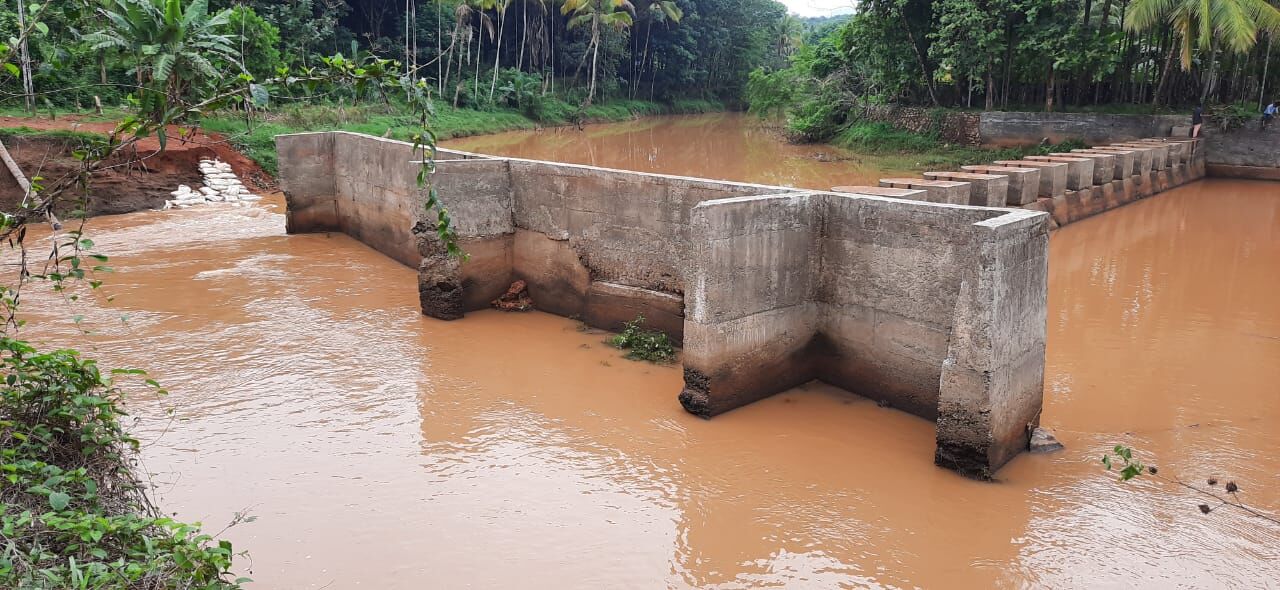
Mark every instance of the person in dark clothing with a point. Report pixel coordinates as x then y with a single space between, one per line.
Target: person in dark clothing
1197 120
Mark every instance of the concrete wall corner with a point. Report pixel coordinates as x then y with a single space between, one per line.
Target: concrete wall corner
992 382
750 318
306 162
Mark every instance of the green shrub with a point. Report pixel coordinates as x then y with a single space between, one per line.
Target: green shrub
642 344
74 513
1230 117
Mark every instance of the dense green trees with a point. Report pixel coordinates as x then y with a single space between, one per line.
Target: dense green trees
1048 54
468 50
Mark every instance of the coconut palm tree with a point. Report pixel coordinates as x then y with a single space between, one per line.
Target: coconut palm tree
1208 25
598 14
658 11
501 6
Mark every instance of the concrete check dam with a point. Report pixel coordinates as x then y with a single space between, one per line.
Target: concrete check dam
926 294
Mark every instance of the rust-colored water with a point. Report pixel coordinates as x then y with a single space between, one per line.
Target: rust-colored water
724 146
382 449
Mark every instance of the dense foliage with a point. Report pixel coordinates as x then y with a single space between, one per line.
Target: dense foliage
474 53
1048 54
75 514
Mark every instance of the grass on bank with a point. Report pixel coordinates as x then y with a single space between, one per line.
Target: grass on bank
256 138
911 151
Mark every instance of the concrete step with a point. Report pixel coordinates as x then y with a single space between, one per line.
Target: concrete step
1104 165
1079 170
937 191
1024 183
1053 175
880 191
985 190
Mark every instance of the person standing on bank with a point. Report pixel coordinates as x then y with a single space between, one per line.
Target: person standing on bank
1197 120
1268 114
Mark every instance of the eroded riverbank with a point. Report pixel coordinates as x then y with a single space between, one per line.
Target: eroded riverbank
383 449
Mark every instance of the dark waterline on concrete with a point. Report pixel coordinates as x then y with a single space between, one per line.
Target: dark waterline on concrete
383 449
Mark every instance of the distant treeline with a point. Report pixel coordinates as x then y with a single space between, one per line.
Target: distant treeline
1109 55
469 50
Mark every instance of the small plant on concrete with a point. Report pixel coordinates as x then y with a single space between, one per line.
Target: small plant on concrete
1122 458
642 344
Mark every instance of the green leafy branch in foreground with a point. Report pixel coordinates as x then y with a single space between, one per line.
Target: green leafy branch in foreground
1122 459
74 514
642 344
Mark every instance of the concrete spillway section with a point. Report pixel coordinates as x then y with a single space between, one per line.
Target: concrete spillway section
933 308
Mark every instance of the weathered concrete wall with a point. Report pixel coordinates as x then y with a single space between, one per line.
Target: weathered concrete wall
999 128
1245 153
751 315
907 303
896 300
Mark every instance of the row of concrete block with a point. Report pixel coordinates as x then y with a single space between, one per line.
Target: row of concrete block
1015 183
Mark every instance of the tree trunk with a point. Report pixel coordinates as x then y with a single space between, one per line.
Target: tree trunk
924 69
644 57
1049 90
1164 75
1210 78
595 59
990 90
28 91
524 33
440 47
1266 64
497 55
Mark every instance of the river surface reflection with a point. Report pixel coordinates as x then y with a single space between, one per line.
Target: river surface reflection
382 449
724 146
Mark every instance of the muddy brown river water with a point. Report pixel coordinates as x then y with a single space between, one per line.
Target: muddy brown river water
382 449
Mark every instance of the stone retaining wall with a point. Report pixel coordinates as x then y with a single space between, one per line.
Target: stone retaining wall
1001 129
951 126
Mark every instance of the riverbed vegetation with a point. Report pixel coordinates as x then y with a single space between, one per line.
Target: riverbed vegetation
642 344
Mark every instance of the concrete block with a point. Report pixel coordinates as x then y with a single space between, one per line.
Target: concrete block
1125 160
1079 170
937 191
986 190
1159 159
1104 165
1142 158
1150 156
880 191
1024 183
1178 149
1053 175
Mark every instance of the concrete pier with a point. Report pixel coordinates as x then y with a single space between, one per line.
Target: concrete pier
1079 170
1053 175
1024 183
936 191
1104 165
985 190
